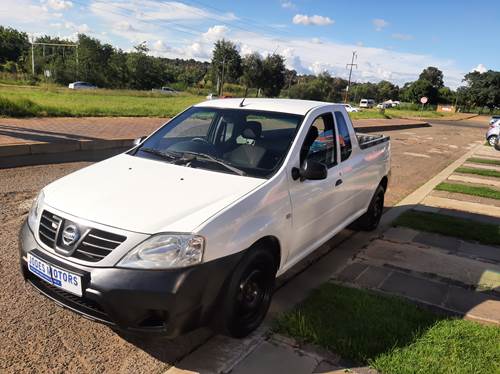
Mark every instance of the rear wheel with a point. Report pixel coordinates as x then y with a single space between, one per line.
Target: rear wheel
249 293
492 140
370 220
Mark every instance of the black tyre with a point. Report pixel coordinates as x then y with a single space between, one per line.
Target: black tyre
492 140
370 220
249 293
497 143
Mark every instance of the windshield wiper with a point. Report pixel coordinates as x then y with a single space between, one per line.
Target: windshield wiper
205 156
163 154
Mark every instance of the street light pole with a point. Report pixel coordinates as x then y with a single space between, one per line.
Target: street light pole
349 66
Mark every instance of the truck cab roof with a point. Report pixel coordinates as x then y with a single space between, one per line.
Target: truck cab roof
292 106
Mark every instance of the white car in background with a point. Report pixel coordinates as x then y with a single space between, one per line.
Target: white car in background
351 109
81 86
493 132
367 103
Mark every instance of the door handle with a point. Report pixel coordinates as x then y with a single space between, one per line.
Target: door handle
338 182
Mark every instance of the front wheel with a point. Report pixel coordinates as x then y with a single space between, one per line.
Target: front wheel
249 293
492 140
370 220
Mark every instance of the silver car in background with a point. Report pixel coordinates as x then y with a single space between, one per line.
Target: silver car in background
493 132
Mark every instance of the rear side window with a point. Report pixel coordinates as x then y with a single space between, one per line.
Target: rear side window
321 146
344 138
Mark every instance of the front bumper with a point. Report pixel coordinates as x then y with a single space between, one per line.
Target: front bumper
170 302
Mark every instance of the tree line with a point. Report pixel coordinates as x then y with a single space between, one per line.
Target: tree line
110 67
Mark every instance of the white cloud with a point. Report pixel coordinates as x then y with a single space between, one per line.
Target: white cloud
303 19
379 24
480 68
316 40
59 4
399 36
215 33
79 29
288 4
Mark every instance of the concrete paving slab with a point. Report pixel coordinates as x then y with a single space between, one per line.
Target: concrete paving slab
271 358
445 242
463 300
487 311
351 272
467 215
441 202
373 277
486 181
480 166
467 198
430 260
477 250
400 234
415 288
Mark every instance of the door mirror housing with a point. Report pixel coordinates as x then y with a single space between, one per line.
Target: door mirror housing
138 141
312 170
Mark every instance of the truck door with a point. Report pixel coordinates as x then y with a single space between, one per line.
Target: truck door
352 171
314 201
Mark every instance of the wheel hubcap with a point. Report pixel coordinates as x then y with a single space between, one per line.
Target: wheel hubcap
251 294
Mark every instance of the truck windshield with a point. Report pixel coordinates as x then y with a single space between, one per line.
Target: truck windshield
240 141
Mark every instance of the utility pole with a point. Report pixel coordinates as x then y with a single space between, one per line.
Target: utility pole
349 66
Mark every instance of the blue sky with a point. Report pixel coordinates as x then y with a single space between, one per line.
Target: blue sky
394 40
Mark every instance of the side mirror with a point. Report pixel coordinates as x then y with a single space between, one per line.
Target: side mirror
139 140
312 170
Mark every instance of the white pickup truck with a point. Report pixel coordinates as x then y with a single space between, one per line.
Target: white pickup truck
192 226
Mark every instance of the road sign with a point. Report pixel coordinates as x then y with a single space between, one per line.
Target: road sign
424 99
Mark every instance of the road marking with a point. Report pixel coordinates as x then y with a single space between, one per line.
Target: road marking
416 155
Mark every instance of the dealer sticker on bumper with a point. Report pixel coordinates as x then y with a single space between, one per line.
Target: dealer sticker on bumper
56 276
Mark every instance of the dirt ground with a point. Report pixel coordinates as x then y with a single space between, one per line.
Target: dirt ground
40 337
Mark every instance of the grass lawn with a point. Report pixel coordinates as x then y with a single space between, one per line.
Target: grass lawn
490 193
390 334
39 101
483 172
397 113
481 232
486 161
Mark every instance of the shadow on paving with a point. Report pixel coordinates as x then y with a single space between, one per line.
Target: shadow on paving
35 135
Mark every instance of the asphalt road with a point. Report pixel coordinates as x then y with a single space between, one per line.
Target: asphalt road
38 336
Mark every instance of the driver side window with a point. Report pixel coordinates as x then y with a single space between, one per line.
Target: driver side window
319 144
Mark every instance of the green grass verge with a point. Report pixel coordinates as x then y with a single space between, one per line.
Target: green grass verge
390 334
482 172
490 193
485 233
50 101
486 161
397 113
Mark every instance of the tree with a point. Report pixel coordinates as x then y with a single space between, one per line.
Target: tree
226 62
273 75
253 71
482 89
386 91
13 44
432 75
412 92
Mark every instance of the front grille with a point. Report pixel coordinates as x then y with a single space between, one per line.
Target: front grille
95 245
48 228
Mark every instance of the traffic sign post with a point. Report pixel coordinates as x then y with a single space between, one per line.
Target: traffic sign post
423 100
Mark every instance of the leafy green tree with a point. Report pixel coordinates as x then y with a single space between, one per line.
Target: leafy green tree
386 91
273 75
226 62
253 71
412 92
446 95
432 75
13 44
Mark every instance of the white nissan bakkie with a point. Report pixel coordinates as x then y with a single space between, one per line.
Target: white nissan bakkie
192 226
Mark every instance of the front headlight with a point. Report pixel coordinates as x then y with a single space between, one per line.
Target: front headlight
35 211
165 251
